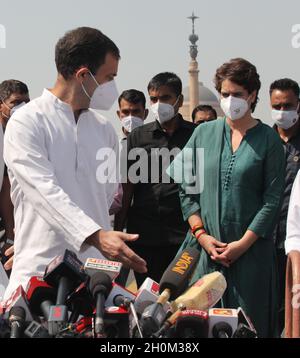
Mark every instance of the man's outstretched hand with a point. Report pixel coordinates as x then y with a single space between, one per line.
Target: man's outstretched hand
112 245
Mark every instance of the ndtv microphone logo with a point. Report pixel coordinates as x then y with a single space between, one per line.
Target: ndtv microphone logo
183 263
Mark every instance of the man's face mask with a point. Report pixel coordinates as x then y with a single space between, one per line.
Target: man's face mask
164 112
104 95
12 110
131 122
285 119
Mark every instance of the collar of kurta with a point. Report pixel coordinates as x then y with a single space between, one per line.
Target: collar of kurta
61 105
50 97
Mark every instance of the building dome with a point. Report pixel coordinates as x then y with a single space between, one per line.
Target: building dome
206 96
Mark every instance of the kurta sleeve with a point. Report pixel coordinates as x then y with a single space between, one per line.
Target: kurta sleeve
26 156
293 220
274 174
185 171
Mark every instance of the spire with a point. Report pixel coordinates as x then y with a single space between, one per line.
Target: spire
193 38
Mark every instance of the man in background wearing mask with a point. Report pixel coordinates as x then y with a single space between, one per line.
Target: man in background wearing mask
53 148
132 110
203 113
13 95
132 114
284 96
156 213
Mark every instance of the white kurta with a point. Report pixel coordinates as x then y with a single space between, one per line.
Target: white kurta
292 241
52 164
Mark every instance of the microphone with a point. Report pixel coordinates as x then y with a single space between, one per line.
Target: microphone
118 290
41 296
222 330
175 279
122 301
173 282
244 331
64 272
100 286
204 294
80 302
116 322
112 268
16 321
244 319
17 299
146 295
192 324
224 315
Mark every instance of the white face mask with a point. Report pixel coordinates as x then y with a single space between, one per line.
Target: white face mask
234 108
285 119
130 123
163 111
15 108
104 95
12 110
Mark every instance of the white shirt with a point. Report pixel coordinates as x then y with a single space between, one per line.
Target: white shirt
52 166
292 241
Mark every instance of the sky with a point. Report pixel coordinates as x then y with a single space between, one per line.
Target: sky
153 37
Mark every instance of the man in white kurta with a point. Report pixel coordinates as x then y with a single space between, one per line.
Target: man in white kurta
52 149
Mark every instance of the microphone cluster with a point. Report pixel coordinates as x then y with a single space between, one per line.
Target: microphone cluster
79 300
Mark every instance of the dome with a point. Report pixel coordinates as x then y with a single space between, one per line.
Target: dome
205 95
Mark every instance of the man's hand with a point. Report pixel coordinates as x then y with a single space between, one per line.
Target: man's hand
9 253
112 245
214 248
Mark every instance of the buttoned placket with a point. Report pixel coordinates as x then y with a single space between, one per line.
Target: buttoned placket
228 174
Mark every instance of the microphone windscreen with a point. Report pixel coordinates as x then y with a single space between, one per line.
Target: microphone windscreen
204 293
17 313
37 292
100 282
177 275
192 324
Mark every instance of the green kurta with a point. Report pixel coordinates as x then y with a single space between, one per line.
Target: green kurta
242 190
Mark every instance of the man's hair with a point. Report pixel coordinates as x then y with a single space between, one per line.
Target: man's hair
285 84
242 73
133 96
8 87
204 108
83 46
168 79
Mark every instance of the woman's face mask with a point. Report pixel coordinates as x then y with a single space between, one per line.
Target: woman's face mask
234 107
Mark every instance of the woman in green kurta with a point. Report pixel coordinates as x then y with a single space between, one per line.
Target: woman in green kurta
243 173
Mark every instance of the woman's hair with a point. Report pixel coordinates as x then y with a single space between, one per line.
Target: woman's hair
241 72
